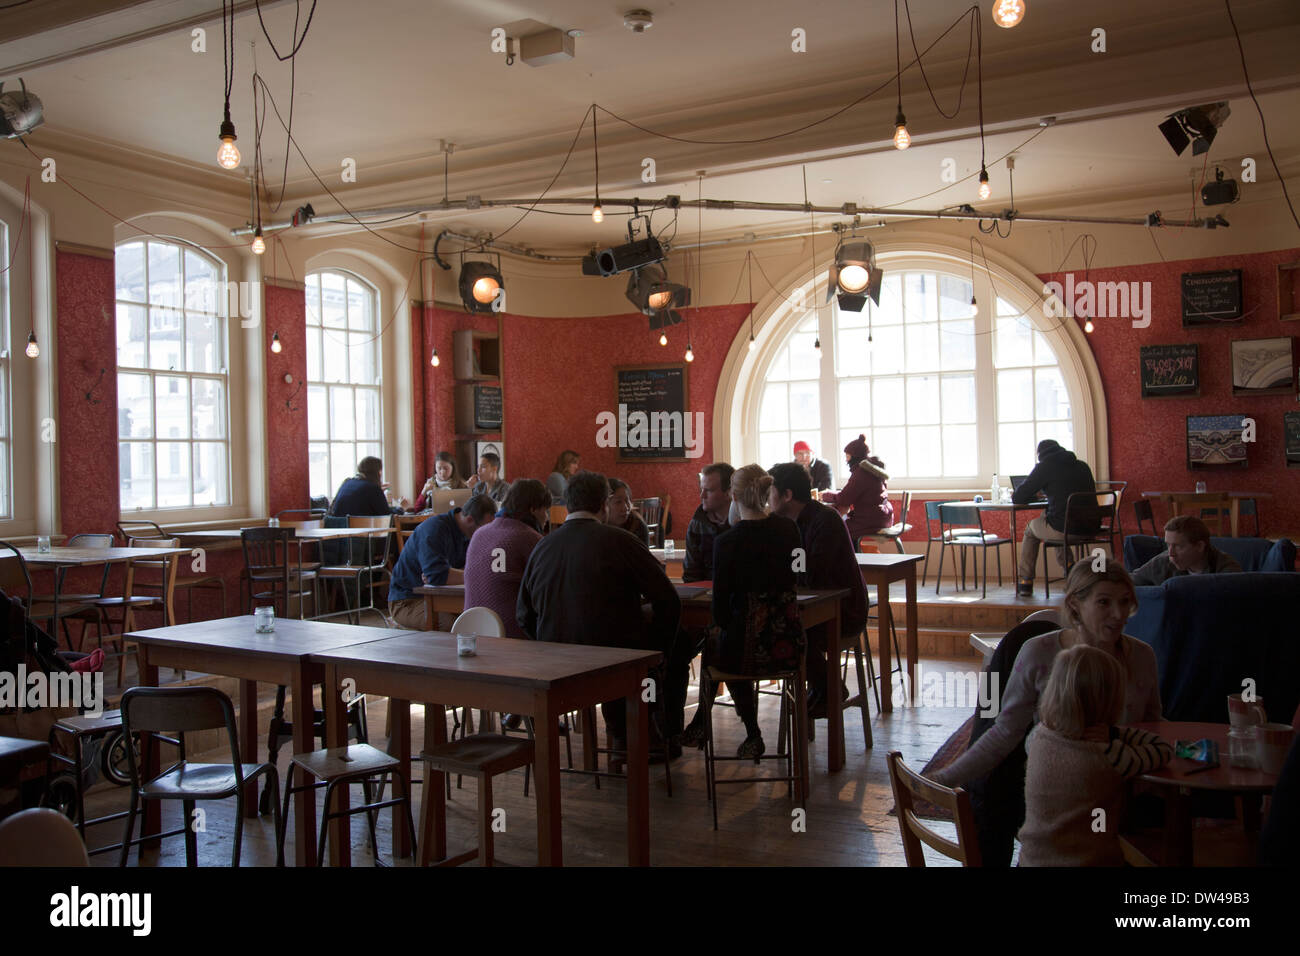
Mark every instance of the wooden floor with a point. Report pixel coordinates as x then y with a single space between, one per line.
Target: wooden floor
848 821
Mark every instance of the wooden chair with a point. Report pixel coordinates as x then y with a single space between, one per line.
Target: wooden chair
1118 488
1143 511
40 837
652 513
1074 542
954 521
186 710
266 559
133 529
909 786
896 530
557 516
406 525
130 602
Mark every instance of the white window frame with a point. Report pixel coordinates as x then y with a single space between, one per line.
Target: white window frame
739 395
334 446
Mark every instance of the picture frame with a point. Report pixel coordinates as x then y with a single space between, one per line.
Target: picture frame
1215 441
1263 366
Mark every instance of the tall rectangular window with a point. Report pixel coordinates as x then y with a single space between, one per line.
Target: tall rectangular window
344 402
172 377
1032 401
791 408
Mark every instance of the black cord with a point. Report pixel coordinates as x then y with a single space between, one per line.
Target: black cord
898 61
974 15
595 148
298 39
1241 51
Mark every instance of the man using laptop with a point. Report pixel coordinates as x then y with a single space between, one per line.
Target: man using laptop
1058 474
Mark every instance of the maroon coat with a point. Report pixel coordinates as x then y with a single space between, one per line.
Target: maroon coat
866 497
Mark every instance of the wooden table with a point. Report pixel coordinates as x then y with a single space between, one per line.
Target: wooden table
300 534
79 557
534 678
815 607
441 599
881 570
674 564
230 648
1176 501
1249 785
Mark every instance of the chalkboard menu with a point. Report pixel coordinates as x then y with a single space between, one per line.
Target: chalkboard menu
1291 435
1210 297
1170 370
487 407
651 420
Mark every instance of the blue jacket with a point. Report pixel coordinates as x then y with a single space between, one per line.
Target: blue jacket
436 546
360 496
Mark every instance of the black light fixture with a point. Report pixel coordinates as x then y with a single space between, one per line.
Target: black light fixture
1196 125
854 277
228 152
902 138
597 214
480 285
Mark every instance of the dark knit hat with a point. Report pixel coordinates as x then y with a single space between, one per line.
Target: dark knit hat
857 448
1048 446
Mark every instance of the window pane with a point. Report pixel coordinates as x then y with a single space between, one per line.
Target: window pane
924 452
853 352
804 362
173 474
1016 449
1043 354
341 414
954 298
1051 400
780 370
960 454
165 340
128 263
774 448
135 474
332 300
131 336
318 417
165 275
134 407
890 310
335 353
855 403
368 427
313 300
805 409
172 406
920 298
891 446
1013 344
313 355
202 345
343 464
846 319
958 393
923 402
1061 432
365 449
923 347
209 409
887 350
4 479
774 412
887 402
210 474
957 344
1016 395
361 356
359 316
318 463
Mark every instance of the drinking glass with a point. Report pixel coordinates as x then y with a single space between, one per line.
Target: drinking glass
669 548
264 620
466 645
43 544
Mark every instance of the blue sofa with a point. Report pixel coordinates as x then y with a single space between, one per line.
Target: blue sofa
1210 632
1253 554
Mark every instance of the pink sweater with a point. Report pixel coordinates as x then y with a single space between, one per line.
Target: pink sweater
491 577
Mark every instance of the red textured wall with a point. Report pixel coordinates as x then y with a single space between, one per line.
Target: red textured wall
286 427
87 433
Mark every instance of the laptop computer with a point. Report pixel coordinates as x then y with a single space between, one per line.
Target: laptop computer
444 499
1018 480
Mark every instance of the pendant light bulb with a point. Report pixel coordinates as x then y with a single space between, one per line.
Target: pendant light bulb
259 244
227 152
985 190
1088 326
663 338
690 353
1008 13
752 343
597 214
276 346
902 138
974 307
434 360
33 349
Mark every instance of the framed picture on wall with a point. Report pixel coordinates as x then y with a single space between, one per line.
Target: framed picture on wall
1262 366
1169 370
1215 441
497 448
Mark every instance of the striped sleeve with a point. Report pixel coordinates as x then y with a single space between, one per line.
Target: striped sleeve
1133 751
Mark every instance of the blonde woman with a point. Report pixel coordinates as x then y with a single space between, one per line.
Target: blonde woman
1097 605
1078 762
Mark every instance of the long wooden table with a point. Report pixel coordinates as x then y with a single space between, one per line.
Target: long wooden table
80 557
1176 501
815 607
229 647
880 570
538 679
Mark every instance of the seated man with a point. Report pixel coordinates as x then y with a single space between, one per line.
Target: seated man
363 494
709 521
1188 552
831 563
1058 474
489 481
585 583
434 555
819 471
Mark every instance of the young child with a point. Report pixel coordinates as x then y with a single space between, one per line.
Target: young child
1078 762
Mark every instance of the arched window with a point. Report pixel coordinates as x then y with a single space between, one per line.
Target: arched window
946 393
172 377
344 396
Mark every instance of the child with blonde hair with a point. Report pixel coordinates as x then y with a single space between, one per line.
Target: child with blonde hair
1078 761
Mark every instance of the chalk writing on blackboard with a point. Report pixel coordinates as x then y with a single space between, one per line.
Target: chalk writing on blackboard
652 422
1169 370
1211 296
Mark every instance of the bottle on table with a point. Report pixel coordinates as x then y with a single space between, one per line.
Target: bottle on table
996 489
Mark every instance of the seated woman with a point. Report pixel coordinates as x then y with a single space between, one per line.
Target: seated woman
498 552
444 478
863 502
1097 605
566 466
753 558
1078 762
364 493
619 513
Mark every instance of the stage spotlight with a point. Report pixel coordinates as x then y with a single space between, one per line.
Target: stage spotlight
1196 125
854 277
480 286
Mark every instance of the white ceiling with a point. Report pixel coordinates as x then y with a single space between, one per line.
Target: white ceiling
383 82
